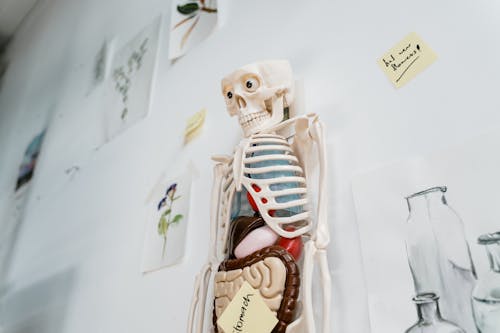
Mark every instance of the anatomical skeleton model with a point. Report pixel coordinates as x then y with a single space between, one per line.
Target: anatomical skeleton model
274 245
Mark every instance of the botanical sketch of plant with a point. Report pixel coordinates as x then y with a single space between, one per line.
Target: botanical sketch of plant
122 75
192 11
167 217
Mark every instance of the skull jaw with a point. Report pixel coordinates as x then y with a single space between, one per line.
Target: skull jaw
259 125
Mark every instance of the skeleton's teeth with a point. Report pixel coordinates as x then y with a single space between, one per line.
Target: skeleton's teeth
253 119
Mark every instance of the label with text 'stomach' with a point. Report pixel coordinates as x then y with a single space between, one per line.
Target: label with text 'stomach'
247 313
407 59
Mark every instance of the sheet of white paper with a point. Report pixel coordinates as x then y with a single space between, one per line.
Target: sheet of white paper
191 22
168 207
471 174
130 82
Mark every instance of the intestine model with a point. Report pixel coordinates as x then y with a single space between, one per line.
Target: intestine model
279 170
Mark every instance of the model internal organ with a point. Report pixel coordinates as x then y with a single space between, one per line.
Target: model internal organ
271 271
275 244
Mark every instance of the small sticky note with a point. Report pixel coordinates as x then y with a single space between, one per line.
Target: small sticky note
247 313
407 59
194 125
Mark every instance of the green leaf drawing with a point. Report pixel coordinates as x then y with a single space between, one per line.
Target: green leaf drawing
188 8
177 218
166 217
163 226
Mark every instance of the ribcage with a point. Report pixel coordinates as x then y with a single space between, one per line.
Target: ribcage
272 174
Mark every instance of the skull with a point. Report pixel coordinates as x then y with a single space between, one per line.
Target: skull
258 94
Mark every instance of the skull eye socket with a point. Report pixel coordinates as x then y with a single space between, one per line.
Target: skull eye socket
228 93
230 100
251 83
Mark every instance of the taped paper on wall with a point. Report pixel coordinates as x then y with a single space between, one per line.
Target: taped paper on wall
168 208
191 23
130 81
194 125
407 59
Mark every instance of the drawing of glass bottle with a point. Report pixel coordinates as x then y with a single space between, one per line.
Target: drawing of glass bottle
429 316
486 294
439 255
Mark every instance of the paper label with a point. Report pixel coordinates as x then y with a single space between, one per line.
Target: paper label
407 59
194 125
247 313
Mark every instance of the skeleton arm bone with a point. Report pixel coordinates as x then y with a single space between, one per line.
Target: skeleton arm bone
199 300
309 134
322 236
197 310
322 258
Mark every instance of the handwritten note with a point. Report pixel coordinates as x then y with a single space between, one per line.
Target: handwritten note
247 313
407 59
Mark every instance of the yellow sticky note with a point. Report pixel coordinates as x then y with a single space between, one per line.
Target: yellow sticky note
407 59
194 125
247 313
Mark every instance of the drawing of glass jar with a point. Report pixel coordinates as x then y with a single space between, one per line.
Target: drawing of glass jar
429 316
439 255
486 294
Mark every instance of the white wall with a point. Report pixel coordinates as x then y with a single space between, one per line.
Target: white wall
76 262
12 13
